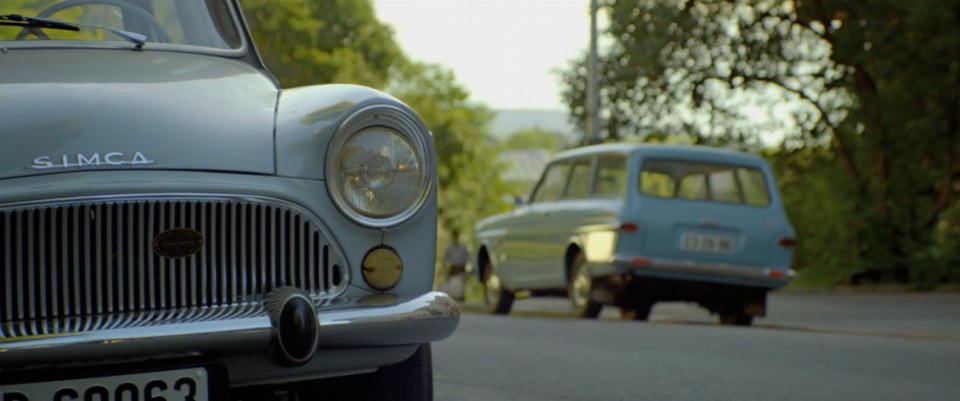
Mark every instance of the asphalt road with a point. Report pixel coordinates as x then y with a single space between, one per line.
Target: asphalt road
812 347
921 315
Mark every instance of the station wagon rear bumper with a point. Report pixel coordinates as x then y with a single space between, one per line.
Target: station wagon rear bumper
714 272
376 321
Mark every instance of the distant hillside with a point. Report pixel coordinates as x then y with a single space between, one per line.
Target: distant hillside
506 122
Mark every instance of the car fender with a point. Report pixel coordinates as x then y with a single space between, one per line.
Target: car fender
307 119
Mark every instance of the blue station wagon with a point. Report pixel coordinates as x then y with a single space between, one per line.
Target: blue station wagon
633 225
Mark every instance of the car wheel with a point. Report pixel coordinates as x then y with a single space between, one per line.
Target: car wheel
498 299
580 289
411 379
735 318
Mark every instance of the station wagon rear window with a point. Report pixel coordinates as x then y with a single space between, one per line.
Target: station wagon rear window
704 181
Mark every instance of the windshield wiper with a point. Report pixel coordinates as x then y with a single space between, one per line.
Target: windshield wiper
43 23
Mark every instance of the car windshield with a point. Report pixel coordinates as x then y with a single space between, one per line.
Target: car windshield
206 24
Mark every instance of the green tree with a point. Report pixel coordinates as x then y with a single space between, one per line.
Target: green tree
813 187
875 128
306 42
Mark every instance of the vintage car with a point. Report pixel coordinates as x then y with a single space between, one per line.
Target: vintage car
633 225
175 226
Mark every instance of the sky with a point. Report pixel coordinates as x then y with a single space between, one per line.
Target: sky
505 52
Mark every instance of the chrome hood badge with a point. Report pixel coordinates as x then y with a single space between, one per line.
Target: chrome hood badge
80 160
178 243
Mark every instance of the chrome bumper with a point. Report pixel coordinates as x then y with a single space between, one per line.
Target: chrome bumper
373 321
664 268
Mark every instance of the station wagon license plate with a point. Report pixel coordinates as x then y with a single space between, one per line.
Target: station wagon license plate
706 243
173 385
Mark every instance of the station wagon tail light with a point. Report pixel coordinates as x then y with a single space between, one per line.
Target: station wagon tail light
379 167
776 273
639 261
787 242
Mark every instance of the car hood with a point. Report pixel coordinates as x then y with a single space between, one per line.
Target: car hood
70 110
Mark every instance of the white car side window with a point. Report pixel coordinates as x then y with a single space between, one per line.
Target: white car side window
554 180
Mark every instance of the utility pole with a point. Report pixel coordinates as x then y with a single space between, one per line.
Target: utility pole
593 81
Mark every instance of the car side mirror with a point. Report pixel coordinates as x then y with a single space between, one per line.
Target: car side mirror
518 201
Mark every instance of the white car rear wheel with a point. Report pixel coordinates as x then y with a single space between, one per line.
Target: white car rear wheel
580 289
498 300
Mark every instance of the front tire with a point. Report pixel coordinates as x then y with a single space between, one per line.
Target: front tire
411 379
498 300
580 289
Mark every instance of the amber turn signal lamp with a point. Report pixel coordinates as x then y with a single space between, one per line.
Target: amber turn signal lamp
382 268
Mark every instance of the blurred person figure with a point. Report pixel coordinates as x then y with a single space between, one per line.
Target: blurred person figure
455 260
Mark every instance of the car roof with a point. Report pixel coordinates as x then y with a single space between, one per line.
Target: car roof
705 153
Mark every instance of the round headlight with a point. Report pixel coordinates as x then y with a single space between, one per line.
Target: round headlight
377 172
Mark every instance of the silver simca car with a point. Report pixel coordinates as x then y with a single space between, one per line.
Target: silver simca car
633 225
174 226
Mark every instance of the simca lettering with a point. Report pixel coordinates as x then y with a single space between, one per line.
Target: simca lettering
94 160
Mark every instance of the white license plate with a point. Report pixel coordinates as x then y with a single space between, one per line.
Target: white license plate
172 385
706 243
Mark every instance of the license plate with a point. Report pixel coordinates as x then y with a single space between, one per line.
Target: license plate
706 243
172 385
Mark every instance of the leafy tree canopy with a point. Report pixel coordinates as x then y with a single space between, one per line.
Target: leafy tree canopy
331 41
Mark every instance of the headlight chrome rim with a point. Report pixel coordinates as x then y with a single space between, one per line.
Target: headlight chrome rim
398 121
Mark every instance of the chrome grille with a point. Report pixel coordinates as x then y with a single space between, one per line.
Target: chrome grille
87 265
